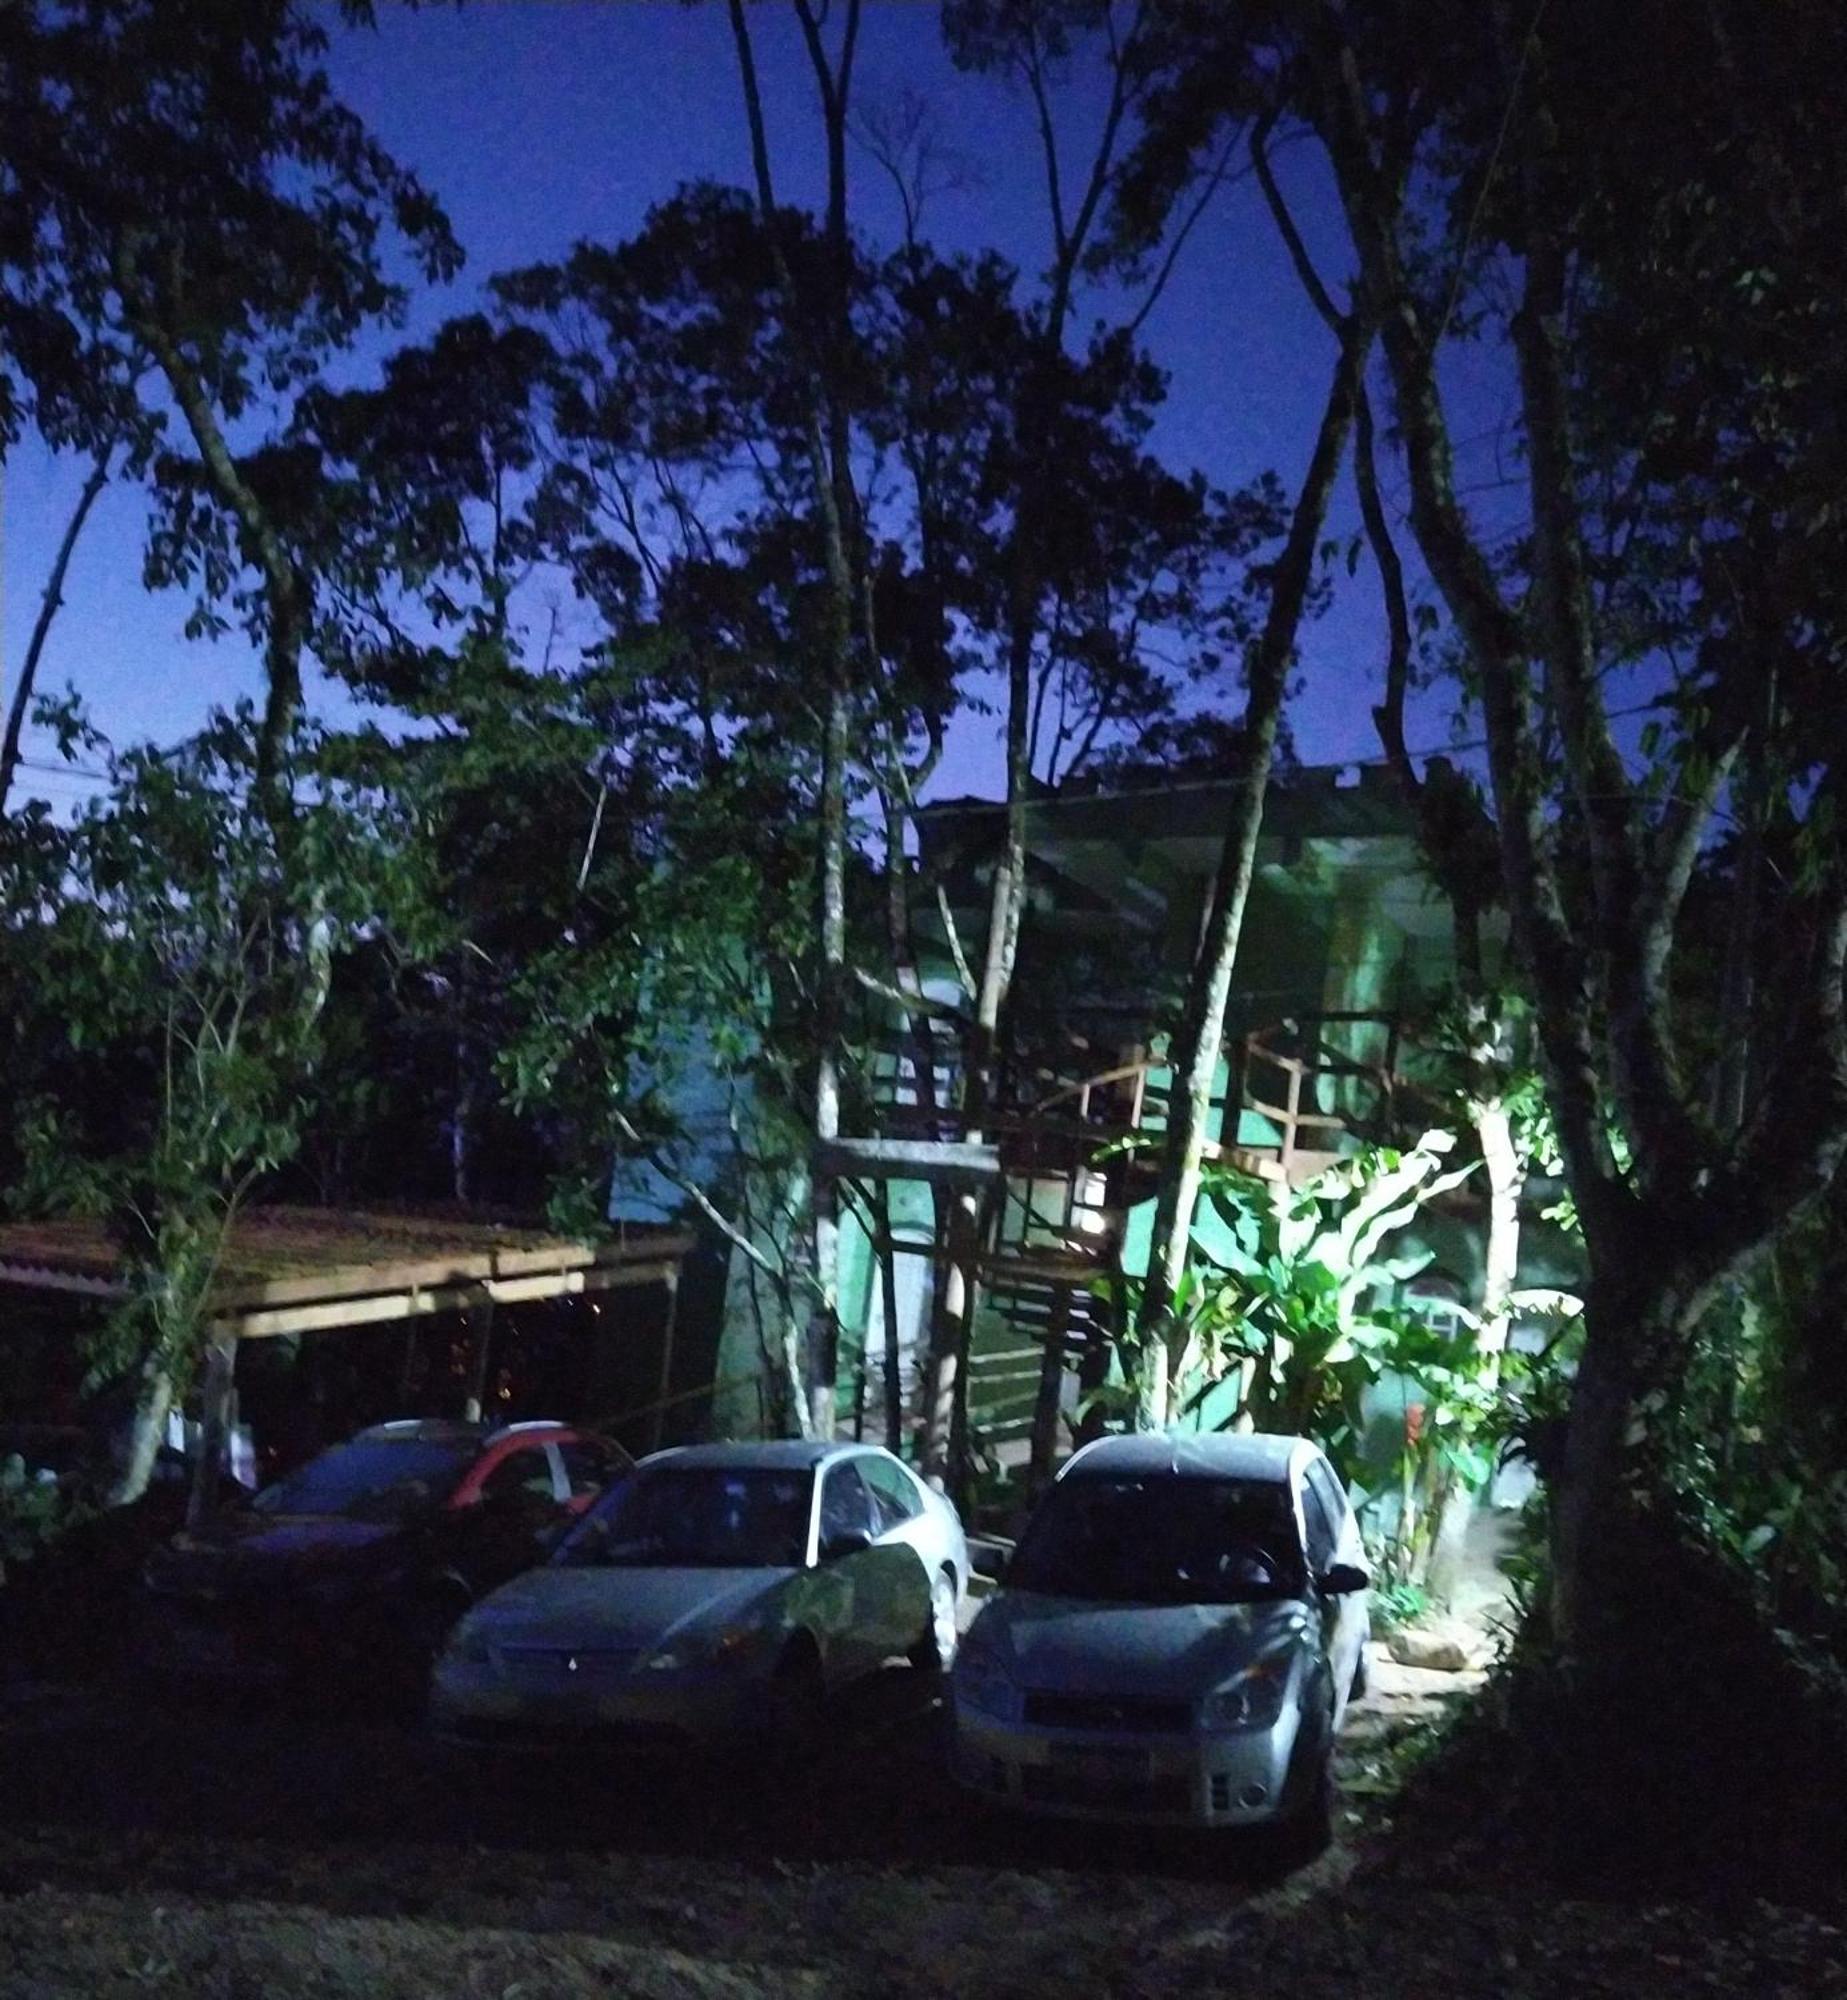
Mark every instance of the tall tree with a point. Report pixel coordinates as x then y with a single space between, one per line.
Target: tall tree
1611 231
183 197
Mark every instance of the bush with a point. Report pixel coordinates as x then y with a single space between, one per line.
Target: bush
34 1511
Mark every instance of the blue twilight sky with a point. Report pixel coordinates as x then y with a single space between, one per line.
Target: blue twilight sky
539 122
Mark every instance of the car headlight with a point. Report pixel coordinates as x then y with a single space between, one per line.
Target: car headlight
981 1681
732 1646
1252 1700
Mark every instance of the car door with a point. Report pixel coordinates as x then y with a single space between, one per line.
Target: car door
514 1515
903 1520
1333 1536
869 1584
590 1467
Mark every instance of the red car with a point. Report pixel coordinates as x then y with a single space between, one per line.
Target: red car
368 1553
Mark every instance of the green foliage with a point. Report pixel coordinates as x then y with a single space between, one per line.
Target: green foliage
33 1512
1752 1478
1395 1601
1301 1288
178 965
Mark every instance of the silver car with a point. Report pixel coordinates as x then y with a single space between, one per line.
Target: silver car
1177 1637
719 1588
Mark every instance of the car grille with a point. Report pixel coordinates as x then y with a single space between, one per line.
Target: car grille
1128 1714
568 1666
1048 1784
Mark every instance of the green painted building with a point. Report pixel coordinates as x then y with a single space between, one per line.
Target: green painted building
1345 942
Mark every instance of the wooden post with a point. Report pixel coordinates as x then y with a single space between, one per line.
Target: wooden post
481 1343
888 1297
1051 1388
217 1391
657 1423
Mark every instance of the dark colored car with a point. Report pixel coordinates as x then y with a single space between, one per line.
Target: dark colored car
366 1555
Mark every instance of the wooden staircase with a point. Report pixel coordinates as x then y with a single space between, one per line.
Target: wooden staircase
1072 1174
1072 1156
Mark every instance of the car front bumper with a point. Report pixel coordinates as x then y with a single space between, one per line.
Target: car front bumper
480 1703
1233 1777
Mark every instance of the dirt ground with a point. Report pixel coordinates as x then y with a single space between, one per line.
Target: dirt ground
264 1850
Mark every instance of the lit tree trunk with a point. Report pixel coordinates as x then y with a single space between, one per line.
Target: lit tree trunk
147 1430
1688 1214
837 515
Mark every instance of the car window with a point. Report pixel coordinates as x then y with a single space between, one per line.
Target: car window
522 1474
371 1479
895 1498
1323 1533
1162 1540
590 1465
697 1517
1324 1483
846 1506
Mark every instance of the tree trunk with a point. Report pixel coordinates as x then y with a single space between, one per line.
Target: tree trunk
888 1296
217 1390
1050 1392
951 1323
1501 1251
262 546
1586 1497
837 516
146 1431
1200 1043
824 1320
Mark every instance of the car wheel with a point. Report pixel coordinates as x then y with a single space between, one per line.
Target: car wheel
434 1614
797 1695
1306 1826
936 1649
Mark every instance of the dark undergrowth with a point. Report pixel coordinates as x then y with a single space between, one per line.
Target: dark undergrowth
1701 1756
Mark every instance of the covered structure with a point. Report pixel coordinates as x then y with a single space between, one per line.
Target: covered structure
291 1271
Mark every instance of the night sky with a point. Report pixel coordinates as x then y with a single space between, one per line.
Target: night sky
538 124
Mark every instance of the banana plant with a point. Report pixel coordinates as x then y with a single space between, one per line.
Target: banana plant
1293 1288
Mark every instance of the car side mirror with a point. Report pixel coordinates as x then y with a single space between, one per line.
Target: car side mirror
1343 1579
848 1542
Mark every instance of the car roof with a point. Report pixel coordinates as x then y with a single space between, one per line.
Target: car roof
769 1454
457 1431
422 1430
1255 1455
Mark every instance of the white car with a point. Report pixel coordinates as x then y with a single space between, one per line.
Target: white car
1176 1639
718 1588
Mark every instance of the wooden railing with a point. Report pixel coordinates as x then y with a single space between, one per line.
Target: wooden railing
1074 1129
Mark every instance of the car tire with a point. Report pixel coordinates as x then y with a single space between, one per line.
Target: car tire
935 1650
797 1698
1305 1828
434 1612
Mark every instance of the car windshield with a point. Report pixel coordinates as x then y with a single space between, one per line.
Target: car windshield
369 1480
1162 1540
698 1517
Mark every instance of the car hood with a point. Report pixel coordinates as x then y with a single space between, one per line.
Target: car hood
616 1608
1171 1651
257 1551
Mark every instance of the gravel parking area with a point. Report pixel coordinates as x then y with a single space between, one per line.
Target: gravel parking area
212 1850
